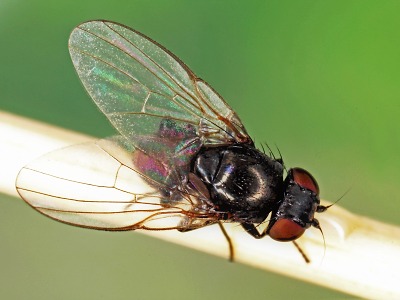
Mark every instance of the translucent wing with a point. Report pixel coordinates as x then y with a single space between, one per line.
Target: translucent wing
149 95
86 185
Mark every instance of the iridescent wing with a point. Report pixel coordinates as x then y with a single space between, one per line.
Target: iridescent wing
164 114
85 185
149 95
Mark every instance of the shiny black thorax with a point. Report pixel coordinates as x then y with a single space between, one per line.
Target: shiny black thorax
244 183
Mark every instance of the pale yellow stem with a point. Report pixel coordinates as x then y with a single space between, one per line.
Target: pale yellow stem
361 256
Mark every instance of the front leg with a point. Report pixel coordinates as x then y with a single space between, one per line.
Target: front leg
252 230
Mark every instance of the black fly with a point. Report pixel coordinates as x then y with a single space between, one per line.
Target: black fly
182 160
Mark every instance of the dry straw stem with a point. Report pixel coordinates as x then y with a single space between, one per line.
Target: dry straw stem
361 257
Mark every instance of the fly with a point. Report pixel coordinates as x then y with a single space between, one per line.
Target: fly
182 158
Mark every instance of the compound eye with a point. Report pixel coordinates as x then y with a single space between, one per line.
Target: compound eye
305 179
285 230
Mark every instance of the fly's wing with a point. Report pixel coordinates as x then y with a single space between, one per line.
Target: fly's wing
149 95
86 185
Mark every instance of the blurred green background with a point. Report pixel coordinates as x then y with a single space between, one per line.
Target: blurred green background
318 78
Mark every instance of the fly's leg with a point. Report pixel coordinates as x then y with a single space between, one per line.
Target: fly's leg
188 224
230 244
307 260
252 230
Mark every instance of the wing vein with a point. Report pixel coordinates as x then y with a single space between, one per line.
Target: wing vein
172 99
190 74
198 107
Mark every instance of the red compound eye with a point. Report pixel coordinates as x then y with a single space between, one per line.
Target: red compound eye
285 230
305 180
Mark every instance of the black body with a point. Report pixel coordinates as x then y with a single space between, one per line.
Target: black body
242 181
246 185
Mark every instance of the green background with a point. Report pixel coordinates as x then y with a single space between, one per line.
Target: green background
318 78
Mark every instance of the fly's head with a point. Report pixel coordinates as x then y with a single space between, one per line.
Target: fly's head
295 212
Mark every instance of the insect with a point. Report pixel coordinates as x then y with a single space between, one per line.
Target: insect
182 160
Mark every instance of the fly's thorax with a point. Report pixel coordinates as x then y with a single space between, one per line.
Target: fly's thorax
242 181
